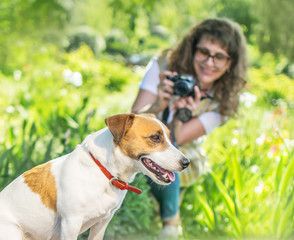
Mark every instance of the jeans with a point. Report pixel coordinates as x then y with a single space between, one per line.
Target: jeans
167 197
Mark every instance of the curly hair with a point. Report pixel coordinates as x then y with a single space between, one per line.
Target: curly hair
229 34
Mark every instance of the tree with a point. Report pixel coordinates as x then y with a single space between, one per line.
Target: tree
274 29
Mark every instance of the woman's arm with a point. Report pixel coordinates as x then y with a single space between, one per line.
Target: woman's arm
144 102
155 91
187 132
149 102
196 127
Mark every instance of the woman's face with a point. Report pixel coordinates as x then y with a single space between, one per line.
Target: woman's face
211 61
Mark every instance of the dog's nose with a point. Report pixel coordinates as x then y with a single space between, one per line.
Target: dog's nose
185 162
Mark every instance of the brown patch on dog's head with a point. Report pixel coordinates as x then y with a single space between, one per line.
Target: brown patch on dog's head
41 181
140 134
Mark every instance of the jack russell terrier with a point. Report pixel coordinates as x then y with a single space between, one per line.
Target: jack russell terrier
66 196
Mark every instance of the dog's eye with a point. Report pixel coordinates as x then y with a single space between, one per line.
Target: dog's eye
155 138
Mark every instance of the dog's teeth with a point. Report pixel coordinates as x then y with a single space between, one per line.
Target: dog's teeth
165 175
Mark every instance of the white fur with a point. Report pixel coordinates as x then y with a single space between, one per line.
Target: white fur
85 198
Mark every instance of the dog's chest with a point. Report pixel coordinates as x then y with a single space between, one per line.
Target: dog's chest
107 203
88 191
103 209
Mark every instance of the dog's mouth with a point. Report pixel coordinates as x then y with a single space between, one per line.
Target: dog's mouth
160 173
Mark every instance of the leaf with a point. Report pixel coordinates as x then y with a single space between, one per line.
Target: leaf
228 200
286 178
33 130
71 122
4 155
276 217
24 124
48 151
237 176
278 175
236 224
207 211
285 221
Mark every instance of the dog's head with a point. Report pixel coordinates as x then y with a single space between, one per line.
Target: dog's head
147 140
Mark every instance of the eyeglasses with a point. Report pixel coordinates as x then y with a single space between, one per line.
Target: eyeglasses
203 54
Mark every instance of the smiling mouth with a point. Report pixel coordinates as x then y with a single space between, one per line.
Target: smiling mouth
207 71
161 174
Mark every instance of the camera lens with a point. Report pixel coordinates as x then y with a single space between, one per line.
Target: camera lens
181 88
184 114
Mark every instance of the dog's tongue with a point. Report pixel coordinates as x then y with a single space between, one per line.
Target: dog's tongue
170 175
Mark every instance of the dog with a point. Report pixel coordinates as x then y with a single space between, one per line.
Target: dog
82 190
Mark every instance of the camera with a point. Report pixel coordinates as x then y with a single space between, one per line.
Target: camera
184 85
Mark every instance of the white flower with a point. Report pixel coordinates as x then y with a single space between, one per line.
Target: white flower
254 169
260 140
17 75
258 189
234 141
135 58
10 109
248 99
66 75
74 78
189 207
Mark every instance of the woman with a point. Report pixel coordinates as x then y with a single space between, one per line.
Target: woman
213 53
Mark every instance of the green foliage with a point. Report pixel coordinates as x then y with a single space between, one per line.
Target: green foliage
267 23
38 20
274 28
240 11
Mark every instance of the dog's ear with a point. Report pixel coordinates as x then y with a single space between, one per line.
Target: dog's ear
119 124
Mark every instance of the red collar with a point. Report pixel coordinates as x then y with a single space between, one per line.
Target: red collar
114 181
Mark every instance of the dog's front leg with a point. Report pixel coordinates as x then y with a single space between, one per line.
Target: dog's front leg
70 229
97 231
10 231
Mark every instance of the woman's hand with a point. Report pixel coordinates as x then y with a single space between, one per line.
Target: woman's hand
187 132
147 102
165 91
189 102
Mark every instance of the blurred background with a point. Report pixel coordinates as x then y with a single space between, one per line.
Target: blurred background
65 65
